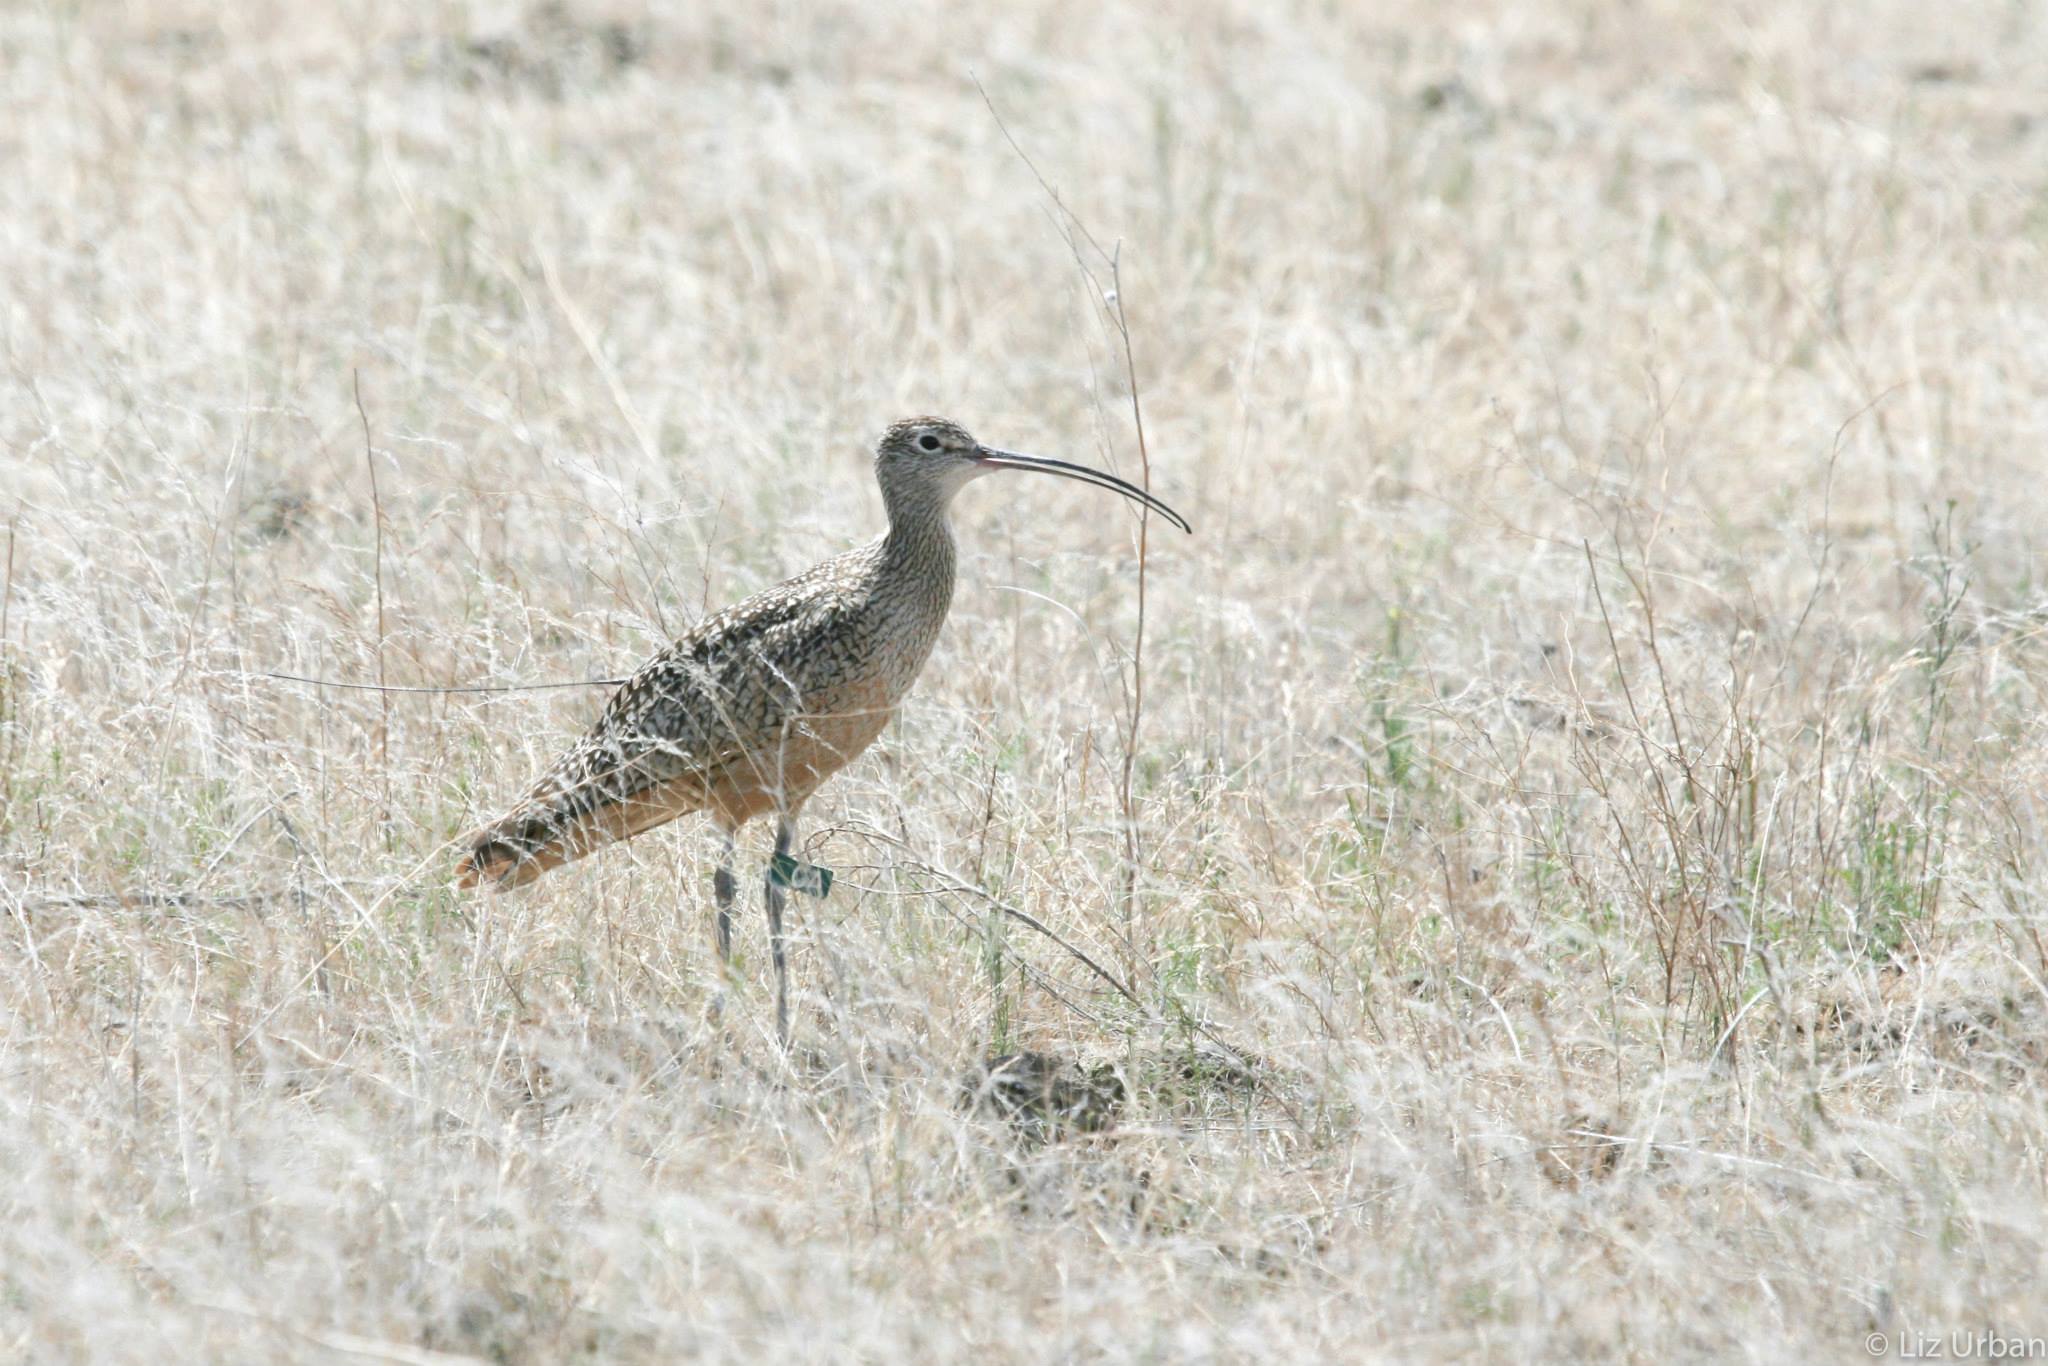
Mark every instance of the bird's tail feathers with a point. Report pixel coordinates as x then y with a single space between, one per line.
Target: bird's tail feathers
511 852
560 825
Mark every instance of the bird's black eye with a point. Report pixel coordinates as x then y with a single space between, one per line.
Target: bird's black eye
927 442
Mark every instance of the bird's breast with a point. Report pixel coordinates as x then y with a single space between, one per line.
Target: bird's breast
877 659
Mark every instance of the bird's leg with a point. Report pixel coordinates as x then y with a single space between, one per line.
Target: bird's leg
723 886
785 836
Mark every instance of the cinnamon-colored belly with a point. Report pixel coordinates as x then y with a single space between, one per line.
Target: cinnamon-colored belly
783 774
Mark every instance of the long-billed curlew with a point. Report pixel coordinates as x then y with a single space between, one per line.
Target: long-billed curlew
759 704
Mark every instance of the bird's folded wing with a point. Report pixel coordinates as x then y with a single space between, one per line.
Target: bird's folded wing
725 694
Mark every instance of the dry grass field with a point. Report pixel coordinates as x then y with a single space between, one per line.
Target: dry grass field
1591 774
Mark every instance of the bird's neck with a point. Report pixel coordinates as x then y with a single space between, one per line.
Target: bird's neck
920 533
918 547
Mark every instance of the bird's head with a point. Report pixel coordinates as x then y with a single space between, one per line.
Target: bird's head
924 461
927 451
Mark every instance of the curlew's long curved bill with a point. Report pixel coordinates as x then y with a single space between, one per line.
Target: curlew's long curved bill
1011 460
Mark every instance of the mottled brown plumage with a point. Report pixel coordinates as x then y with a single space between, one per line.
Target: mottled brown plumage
749 712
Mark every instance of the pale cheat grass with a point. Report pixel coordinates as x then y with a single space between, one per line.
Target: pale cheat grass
1592 751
